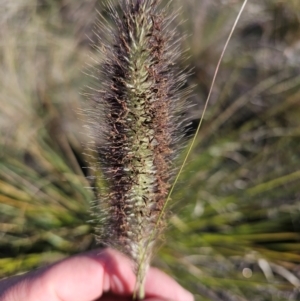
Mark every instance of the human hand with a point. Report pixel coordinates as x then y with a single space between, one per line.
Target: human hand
104 275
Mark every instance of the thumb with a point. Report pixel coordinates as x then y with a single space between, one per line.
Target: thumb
79 278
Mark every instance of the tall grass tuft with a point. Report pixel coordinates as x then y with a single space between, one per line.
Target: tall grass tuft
136 124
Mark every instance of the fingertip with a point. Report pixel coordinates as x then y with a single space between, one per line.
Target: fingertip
85 277
77 278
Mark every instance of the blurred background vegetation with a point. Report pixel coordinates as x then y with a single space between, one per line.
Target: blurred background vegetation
235 229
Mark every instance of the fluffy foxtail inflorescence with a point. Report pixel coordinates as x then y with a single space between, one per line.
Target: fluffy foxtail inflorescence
136 124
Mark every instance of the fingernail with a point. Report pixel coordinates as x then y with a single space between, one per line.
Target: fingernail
117 285
106 283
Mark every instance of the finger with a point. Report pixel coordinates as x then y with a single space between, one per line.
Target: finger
79 278
160 285
74 279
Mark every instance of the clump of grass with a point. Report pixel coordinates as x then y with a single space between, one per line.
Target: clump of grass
136 119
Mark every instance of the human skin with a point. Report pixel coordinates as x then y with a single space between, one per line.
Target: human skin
102 275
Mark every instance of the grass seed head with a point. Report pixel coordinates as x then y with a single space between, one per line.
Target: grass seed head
136 122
